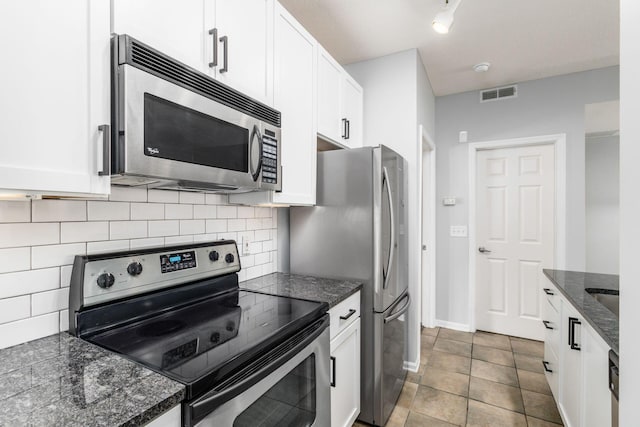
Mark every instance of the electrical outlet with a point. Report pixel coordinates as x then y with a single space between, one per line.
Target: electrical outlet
246 246
458 231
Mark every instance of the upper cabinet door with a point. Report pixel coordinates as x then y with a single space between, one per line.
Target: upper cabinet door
330 123
245 46
352 111
175 28
55 95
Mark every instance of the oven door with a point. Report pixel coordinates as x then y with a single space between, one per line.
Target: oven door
171 134
289 386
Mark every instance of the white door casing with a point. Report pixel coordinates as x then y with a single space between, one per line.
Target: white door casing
515 222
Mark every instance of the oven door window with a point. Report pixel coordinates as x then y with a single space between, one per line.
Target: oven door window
291 402
174 132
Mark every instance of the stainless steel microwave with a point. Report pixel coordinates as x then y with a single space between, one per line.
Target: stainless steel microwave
176 127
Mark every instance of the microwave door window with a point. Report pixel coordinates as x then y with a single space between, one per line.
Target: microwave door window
174 132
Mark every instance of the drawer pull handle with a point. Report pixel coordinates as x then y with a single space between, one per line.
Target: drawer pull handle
546 366
351 313
548 291
333 371
546 324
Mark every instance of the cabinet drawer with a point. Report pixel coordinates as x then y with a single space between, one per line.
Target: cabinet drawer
552 364
343 314
551 319
552 295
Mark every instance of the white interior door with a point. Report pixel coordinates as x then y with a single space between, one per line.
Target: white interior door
515 194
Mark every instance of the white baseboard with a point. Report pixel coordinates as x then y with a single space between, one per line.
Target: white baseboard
453 325
411 366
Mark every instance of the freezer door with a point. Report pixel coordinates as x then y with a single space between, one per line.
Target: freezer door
391 239
391 329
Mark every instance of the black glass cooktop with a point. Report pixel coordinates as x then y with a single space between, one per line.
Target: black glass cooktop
203 342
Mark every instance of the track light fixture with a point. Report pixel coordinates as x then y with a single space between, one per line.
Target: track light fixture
443 20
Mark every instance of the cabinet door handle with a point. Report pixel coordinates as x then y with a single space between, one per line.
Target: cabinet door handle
546 366
548 291
351 313
546 324
348 129
225 53
333 371
106 150
214 33
572 333
344 128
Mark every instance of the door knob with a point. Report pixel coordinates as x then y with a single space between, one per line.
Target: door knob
482 250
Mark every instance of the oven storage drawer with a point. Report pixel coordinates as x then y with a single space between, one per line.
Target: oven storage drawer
344 314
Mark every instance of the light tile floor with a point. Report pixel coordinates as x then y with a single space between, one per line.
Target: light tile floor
479 379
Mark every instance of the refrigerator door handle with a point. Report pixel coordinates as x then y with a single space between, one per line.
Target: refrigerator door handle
400 312
385 179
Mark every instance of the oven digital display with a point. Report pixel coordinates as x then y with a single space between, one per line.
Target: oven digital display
179 261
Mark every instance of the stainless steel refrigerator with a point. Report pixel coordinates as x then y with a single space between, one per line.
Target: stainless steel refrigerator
357 230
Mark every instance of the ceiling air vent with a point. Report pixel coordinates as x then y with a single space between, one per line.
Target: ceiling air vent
498 93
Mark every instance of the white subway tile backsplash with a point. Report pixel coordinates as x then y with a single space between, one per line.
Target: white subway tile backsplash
15 211
29 234
108 211
216 225
147 211
107 246
192 226
127 230
128 194
163 196
205 212
48 302
29 282
147 243
16 308
39 239
176 211
56 255
58 210
192 198
164 228
237 224
29 329
227 212
83 231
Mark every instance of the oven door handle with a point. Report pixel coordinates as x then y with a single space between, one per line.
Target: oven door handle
255 371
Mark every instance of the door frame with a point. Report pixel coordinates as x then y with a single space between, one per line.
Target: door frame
428 287
559 141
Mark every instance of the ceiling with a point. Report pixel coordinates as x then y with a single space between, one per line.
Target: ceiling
522 39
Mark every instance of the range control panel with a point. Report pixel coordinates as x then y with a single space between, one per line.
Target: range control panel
130 273
269 157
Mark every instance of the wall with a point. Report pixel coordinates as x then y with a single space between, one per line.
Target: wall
629 211
602 188
397 98
38 241
542 107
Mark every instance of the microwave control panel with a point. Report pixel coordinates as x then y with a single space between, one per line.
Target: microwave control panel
269 158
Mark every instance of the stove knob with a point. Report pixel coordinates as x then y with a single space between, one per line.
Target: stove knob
229 258
215 337
106 280
214 255
134 268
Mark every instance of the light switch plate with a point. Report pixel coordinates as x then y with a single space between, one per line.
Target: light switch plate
458 231
463 136
449 201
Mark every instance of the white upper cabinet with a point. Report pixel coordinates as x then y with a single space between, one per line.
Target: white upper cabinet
340 101
231 40
55 96
244 45
173 27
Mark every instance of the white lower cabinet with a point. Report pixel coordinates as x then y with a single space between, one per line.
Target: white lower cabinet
576 364
345 361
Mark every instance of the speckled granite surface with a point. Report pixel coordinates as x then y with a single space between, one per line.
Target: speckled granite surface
61 380
572 284
305 287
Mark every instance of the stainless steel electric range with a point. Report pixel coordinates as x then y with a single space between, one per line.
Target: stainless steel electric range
245 358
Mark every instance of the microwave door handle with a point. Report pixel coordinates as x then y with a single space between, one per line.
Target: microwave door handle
385 179
255 174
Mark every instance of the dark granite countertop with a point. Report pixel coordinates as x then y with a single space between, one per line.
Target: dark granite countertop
331 291
61 380
572 284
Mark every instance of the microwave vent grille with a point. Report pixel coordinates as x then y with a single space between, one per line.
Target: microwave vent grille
152 61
